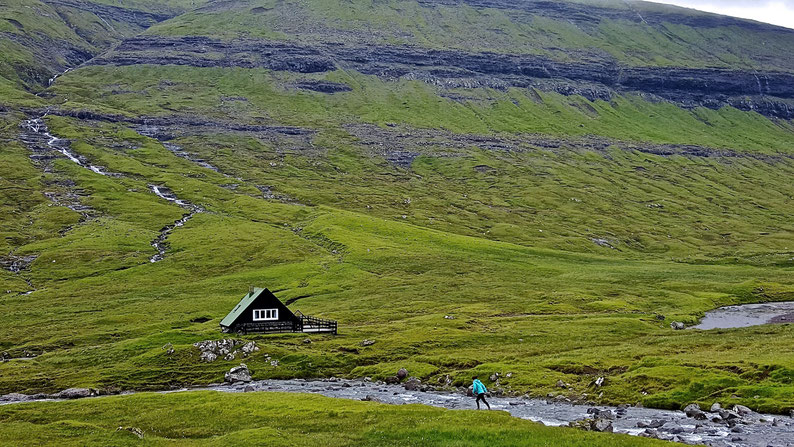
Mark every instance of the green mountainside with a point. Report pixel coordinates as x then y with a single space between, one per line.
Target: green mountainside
479 186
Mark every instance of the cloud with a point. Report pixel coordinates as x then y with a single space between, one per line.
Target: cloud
778 12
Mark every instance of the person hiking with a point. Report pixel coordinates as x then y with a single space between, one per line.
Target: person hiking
479 390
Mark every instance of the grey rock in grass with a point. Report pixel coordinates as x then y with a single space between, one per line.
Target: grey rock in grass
238 374
208 357
402 373
677 325
168 348
75 393
561 384
249 348
367 342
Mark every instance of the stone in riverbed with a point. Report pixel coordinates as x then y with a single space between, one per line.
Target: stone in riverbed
15 397
238 374
597 424
402 373
655 423
75 393
412 384
716 407
694 411
742 410
392 380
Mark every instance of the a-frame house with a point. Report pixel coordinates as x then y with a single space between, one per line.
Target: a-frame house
260 312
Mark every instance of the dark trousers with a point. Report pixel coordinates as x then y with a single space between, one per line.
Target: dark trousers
481 397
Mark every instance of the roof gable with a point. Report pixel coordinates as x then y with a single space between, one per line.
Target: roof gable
248 300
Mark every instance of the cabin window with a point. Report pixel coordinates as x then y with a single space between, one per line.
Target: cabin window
265 314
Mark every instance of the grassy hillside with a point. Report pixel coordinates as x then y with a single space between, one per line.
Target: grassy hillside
566 31
563 235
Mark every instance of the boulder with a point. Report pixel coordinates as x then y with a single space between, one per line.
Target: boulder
412 384
392 380
716 407
248 389
694 411
370 398
655 423
75 393
238 374
649 433
742 410
402 373
677 325
728 415
470 391
601 414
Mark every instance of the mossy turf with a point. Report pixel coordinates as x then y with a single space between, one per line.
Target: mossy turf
276 419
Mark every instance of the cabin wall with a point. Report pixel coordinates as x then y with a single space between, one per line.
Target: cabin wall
266 300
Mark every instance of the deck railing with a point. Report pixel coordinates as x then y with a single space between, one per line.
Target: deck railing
303 324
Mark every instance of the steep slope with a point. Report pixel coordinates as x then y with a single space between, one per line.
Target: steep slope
43 38
564 179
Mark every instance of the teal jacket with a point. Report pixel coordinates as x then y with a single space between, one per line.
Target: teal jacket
478 388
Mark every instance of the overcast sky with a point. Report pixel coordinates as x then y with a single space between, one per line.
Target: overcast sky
779 12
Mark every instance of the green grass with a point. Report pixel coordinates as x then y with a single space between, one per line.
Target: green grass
277 419
541 313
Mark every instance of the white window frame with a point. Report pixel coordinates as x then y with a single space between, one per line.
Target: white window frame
265 314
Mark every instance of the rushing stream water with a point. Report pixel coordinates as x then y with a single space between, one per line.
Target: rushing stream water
159 243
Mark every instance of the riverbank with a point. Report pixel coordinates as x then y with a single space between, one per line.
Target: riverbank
714 428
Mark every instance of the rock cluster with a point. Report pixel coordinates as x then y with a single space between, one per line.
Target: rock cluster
227 348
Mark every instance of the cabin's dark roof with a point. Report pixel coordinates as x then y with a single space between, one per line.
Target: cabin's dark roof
241 307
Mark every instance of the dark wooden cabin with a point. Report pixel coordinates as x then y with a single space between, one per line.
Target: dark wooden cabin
261 312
